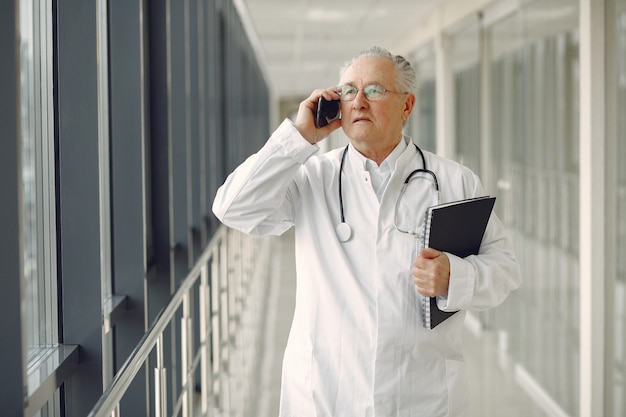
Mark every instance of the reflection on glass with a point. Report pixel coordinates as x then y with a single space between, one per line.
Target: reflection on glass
38 207
619 357
465 57
422 125
29 165
534 149
37 175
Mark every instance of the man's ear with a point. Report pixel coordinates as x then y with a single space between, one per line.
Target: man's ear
409 102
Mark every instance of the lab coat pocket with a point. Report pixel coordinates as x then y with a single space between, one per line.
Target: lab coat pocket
458 396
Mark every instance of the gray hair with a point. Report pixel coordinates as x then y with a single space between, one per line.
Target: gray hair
406 79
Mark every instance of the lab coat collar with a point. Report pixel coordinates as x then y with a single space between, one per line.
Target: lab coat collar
407 153
360 160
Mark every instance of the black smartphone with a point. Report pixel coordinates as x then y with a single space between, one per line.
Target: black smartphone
326 112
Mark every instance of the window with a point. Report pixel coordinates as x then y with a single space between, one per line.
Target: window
38 190
422 125
465 60
38 175
534 131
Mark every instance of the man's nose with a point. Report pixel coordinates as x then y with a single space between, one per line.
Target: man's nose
360 101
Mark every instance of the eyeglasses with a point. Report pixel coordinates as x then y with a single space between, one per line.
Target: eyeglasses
372 92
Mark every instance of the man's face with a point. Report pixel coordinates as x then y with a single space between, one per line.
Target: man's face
374 123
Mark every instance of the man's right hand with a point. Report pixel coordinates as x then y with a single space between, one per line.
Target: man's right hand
305 120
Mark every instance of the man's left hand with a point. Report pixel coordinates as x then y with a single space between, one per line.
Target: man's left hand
431 272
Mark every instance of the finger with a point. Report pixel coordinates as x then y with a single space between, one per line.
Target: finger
330 93
425 288
433 281
429 253
424 274
309 104
423 260
305 119
428 287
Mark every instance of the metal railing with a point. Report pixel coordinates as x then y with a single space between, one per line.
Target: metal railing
228 296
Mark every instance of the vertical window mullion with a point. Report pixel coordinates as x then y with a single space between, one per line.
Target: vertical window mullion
12 213
104 182
49 187
36 141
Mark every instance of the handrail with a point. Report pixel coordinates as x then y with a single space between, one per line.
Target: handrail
122 380
108 404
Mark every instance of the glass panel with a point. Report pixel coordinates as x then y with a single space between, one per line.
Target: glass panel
38 174
29 164
465 58
534 129
38 188
619 359
422 125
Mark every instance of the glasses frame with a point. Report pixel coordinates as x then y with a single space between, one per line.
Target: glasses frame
384 92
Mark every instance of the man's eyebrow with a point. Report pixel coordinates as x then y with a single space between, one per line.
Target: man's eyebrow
352 84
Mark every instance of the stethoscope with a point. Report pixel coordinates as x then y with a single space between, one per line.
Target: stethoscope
344 231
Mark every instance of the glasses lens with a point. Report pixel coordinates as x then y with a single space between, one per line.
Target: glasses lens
374 92
347 93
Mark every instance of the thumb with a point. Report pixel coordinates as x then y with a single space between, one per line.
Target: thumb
429 253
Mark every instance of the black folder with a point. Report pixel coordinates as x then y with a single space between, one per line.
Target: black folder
457 228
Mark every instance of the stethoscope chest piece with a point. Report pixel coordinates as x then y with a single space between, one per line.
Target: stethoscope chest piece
343 232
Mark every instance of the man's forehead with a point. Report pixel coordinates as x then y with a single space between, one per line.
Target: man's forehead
369 70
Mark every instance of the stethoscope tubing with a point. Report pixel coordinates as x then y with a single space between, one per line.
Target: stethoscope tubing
343 229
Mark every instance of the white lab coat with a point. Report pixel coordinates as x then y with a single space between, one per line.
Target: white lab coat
357 347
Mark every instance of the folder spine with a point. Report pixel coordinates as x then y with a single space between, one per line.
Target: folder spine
426 322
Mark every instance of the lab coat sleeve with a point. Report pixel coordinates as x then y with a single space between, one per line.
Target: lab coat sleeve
479 282
258 197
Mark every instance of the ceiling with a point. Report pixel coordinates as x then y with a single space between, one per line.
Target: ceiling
303 43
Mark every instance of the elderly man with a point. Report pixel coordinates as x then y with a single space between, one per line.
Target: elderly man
357 345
